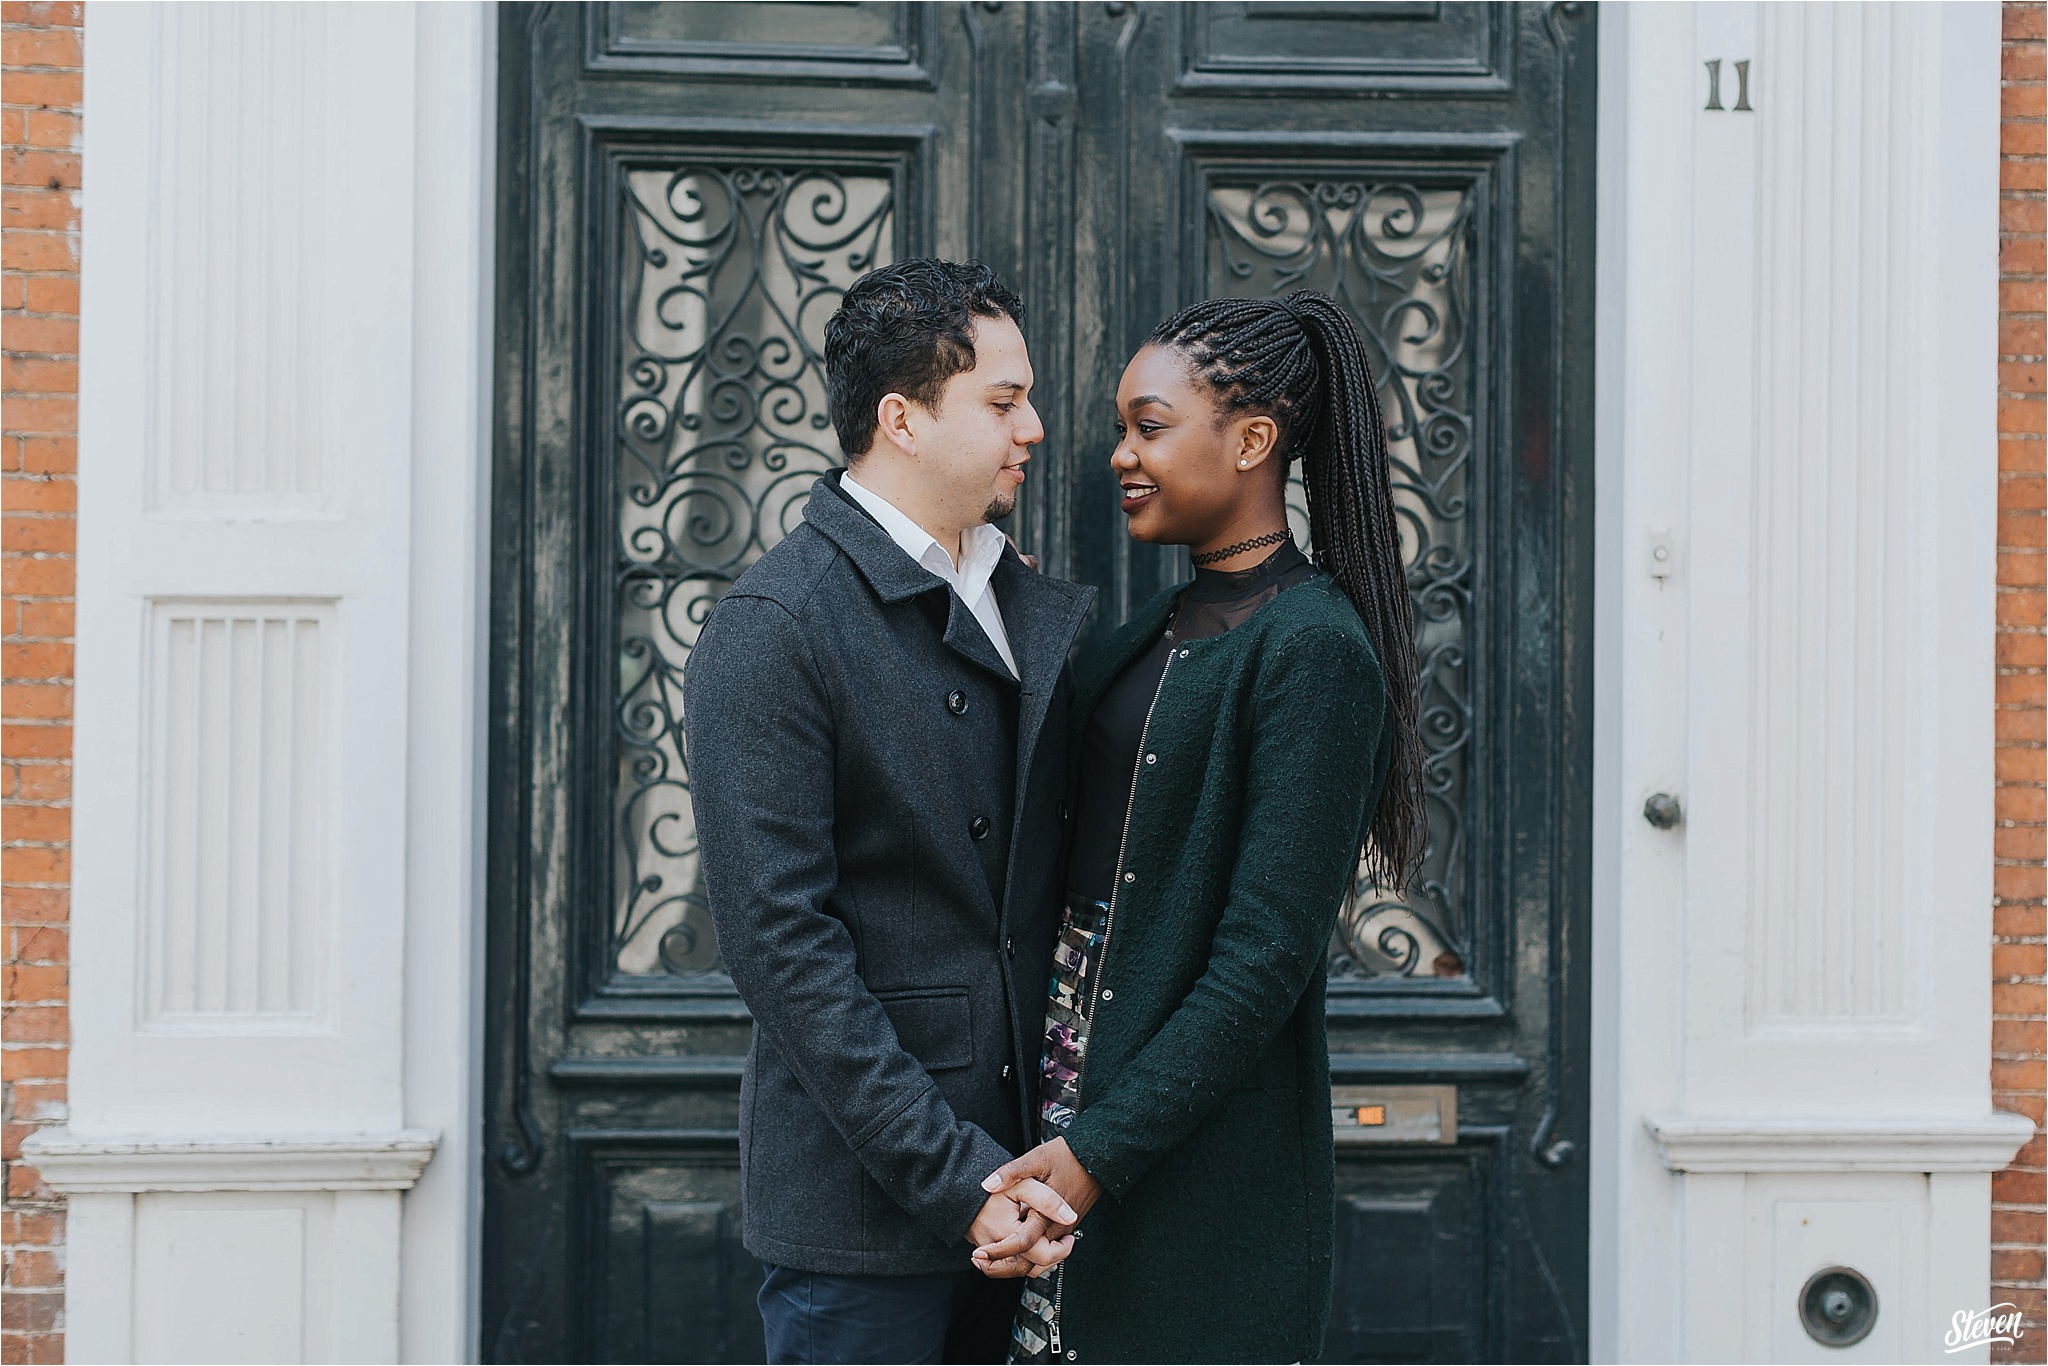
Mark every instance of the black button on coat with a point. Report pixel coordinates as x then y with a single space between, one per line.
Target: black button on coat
860 917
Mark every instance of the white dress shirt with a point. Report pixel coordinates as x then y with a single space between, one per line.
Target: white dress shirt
981 548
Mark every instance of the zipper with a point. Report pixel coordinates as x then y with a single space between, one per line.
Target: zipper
1059 1290
1116 886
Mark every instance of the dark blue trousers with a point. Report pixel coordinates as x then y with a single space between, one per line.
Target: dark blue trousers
951 1316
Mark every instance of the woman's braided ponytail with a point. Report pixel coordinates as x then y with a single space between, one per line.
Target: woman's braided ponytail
1300 361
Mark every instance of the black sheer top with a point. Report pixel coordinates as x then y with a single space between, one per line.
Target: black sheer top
1217 600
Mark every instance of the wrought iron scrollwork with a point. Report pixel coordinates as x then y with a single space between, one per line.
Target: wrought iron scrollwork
1398 255
728 273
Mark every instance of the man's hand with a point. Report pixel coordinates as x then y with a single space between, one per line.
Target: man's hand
1052 1168
1033 1245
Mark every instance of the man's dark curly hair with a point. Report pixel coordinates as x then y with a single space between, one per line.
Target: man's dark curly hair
905 329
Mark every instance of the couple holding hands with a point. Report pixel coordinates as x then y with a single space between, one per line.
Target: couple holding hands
913 813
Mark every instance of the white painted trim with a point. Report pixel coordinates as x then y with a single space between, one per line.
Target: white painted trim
99 1310
1642 359
1608 1129
259 1075
75 1163
454 135
1986 1143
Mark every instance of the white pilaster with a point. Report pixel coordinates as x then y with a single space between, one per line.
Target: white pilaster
233 1247
99 1308
1796 376
283 438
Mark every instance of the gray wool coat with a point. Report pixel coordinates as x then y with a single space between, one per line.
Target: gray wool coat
880 810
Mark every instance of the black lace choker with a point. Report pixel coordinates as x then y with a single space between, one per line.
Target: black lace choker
1270 538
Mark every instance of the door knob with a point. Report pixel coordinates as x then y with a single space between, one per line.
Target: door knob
1662 811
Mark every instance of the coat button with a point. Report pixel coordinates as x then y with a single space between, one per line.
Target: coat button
956 702
978 827
1151 758
1108 995
1130 877
1006 1071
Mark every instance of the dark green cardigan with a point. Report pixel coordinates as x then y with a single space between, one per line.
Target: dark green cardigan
1205 1103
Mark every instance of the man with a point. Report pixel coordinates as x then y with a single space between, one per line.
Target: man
877 726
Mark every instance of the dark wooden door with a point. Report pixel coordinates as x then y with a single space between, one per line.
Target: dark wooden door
683 191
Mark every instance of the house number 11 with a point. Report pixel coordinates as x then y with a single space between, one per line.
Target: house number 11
1741 85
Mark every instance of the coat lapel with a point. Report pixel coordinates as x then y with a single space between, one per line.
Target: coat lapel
966 637
895 576
892 574
1041 616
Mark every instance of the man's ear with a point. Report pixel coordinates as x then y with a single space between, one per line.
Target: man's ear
1257 439
892 425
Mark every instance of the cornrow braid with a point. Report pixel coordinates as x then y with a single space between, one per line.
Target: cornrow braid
1300 361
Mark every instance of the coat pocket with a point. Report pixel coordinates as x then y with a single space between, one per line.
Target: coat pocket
933 1024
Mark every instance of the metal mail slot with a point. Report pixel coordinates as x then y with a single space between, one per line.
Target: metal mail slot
1394 1114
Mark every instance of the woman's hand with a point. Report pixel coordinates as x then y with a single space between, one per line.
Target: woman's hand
1033 1241
1050 1167
1030 561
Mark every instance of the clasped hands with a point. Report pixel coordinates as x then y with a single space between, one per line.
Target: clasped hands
1026 1227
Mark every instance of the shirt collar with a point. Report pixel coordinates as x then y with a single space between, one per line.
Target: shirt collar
981 547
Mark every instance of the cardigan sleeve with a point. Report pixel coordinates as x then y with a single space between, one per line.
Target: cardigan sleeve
1309 779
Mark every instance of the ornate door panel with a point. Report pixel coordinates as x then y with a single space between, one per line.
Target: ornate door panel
684 191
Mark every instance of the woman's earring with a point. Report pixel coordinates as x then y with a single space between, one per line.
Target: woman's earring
1244 464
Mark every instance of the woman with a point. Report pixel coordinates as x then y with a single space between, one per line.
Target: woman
1243 735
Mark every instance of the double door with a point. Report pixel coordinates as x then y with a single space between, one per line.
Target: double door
684 192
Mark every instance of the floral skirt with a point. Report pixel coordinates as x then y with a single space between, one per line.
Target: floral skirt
1070 1000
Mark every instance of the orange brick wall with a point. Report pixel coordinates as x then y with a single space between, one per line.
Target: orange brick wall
41 91
2019 1219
